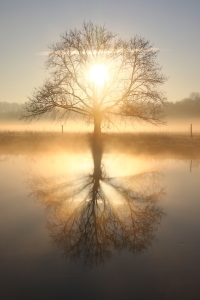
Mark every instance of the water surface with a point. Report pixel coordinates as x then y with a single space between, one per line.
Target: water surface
139 238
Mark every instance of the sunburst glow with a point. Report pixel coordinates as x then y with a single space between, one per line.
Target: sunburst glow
98 74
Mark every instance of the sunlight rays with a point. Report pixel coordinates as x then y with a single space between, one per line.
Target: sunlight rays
98 74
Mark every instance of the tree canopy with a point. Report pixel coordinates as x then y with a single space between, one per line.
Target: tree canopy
98 75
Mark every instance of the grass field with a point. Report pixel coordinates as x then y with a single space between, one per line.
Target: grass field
161 144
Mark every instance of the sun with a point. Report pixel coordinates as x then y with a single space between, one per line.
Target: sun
98 74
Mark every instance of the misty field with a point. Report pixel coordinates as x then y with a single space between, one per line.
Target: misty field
152 144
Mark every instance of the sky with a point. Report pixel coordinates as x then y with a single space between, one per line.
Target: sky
28 27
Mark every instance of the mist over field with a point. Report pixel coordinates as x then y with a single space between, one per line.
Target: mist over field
178 118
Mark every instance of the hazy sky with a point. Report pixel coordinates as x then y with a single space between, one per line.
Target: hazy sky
27 27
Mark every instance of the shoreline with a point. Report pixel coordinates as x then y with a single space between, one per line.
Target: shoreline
147 144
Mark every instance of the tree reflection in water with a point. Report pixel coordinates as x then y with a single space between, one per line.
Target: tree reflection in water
92 217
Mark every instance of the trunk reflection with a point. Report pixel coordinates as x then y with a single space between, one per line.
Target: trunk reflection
94 216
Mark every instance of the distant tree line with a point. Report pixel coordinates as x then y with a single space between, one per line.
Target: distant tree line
10 110
183 109
13 111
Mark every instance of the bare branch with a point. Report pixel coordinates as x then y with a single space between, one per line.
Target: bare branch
131 89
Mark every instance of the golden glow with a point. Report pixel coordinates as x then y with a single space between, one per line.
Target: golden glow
98 74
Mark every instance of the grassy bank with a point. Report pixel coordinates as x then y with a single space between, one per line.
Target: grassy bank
172 144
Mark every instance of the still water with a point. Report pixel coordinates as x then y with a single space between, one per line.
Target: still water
131 232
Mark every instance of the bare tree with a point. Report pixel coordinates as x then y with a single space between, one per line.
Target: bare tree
97 74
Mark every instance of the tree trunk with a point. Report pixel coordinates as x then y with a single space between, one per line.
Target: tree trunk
97 126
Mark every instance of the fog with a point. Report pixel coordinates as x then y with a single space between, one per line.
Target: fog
159 146
178 118
44 126
79 126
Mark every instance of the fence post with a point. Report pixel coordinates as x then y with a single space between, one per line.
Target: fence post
191 131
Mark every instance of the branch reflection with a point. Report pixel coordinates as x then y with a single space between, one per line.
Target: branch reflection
94 216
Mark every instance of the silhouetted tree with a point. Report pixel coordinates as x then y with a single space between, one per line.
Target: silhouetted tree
126 85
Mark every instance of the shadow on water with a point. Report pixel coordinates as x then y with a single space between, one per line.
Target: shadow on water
94 216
